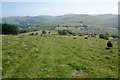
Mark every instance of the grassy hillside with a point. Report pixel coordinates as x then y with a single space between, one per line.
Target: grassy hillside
107 20
104 23
0 56
55 56
97 21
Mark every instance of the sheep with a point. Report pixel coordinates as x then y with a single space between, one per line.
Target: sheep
1 68
86 37
74 37
109 44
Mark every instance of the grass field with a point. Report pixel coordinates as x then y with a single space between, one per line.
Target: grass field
0 56
55 56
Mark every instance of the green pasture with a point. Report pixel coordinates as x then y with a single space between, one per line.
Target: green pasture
55 56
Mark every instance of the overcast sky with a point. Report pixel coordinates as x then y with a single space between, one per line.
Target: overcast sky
57 7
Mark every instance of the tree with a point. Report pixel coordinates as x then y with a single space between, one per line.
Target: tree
92 35
71 33
81 21
76 26
63 32
66 26
114 36
104 36
80 34
49 32
80 26
66 32
36 33
10 29
85 26
44 32
23 31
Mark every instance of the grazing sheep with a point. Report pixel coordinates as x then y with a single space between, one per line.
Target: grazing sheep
86 37
1 68
74 37
107 57
90 49
109 44
111 51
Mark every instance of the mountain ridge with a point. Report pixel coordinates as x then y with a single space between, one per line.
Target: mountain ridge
67 19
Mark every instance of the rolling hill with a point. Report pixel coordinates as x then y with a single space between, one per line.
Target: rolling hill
43 21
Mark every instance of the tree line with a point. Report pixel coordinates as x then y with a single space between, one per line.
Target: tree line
14 30
76 26
101 35
10 29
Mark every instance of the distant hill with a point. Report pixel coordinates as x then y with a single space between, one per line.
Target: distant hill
106 20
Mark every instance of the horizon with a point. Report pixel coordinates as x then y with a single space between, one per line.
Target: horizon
64 14
57 8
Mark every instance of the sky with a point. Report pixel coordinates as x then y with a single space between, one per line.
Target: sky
57 7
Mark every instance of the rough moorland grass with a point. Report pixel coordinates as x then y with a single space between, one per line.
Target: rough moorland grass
0 56
58 57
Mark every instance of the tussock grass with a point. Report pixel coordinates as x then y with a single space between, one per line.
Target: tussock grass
58 56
